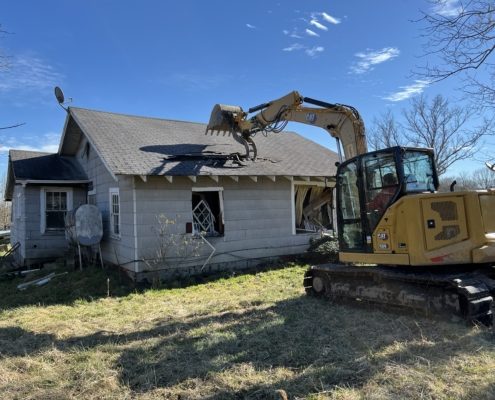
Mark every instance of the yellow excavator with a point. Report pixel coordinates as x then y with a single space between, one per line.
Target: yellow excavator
402 243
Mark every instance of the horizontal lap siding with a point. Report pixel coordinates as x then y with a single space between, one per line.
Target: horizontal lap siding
257 215
18 228
48 244
115 250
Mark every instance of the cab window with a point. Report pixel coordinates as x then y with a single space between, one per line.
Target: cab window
418 171
381 186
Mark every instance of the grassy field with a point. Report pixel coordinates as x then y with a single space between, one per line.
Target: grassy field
244 337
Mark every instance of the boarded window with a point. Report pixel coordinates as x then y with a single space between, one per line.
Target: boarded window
313 208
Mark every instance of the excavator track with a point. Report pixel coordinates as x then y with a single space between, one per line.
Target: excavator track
468 295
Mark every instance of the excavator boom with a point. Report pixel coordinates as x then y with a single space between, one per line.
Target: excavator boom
340 121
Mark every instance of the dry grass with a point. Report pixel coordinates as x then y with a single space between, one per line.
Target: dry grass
243 337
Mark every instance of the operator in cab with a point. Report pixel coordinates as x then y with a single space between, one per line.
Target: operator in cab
380 202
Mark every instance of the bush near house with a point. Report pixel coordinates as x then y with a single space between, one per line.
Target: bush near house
241 337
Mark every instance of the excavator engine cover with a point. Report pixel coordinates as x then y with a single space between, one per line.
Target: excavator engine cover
222 118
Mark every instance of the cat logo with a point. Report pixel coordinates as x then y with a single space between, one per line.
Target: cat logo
311 118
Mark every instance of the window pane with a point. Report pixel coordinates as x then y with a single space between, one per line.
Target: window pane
55 220
349 193
116 227
114 213
115 203
49 200
418 171
56 201
63 201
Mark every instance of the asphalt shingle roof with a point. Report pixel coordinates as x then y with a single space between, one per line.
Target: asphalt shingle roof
132 145
34 165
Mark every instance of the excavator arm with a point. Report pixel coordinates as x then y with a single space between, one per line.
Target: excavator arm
340 121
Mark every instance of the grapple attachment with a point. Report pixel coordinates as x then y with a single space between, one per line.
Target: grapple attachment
223 118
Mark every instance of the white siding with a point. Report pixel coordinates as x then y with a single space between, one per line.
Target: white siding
115 250
35 244
257 216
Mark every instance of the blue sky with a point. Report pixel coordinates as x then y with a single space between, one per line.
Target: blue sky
176 60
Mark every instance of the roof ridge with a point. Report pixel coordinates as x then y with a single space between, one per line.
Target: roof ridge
30 151
136 116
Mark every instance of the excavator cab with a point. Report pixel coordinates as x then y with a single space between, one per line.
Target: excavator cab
367 185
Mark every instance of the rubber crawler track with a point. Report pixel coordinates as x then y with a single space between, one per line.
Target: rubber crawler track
468 295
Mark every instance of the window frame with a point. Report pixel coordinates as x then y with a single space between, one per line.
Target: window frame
43 211
219 190
111 192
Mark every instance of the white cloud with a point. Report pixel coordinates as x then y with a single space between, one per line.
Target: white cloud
447 8
408 91
318 25
329 18
371 58
47 143
250 26
294 47
311 33
312 52
28 73
293 34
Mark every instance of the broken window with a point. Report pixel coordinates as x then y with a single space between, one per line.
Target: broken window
207 211
313 208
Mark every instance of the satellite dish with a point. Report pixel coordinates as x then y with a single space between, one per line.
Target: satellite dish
60 97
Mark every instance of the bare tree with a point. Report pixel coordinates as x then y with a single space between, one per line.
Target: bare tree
4 65
5 207
481 178
462 34
4 60
443 128
434 124
385 132
175 249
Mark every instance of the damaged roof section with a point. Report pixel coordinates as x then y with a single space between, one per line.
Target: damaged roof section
133 145
32 166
